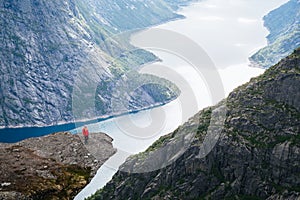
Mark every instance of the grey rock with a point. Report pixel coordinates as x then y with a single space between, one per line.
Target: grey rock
257 154
37 171
57 58
284 37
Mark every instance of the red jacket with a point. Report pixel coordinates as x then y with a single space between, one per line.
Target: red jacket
85 132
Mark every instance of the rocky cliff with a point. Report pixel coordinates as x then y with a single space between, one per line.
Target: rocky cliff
57 166
283 24
57 55
254 155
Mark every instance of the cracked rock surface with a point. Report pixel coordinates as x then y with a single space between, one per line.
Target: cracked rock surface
56 166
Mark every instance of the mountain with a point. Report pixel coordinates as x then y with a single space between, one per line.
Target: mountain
246 147
64 60
283 24
56 166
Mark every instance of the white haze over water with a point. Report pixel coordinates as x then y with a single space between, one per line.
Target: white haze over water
229 31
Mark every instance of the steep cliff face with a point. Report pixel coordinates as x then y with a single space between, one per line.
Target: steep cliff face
284 26
256 156
123 15
56 52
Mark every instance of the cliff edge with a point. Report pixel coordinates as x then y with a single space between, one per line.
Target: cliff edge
256 154
56 166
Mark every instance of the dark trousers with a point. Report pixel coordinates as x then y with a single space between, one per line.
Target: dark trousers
86 138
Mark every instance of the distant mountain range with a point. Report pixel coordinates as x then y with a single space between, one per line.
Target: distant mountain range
60 57
256 154
284 26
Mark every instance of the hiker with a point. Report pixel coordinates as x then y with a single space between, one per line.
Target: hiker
85 133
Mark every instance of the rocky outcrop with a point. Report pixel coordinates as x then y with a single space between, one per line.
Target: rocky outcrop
255 155
57 56
283 24
56 166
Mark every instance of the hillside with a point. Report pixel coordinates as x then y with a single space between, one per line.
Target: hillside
56 166
283 24
255 155
57 56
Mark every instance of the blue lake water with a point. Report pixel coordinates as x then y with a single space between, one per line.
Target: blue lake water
11 135
229 31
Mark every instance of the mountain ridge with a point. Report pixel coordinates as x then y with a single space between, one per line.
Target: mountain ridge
51 48
283 25
256 156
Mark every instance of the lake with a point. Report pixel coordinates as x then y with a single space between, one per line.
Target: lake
227 33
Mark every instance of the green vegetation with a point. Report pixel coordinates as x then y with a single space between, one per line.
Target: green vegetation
217 173
135 85
284 37
69 178
203 123
49 44
161 141
91 22
260 116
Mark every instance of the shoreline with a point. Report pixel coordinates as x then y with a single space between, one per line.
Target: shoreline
85 193
73 125
41 157
177 17
89 121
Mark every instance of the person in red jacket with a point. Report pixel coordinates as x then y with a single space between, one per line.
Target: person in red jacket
85 133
